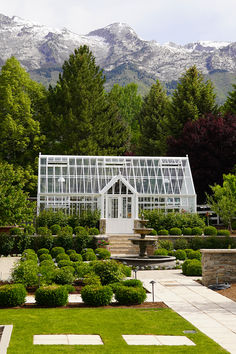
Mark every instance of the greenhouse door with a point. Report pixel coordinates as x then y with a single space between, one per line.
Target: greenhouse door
120 214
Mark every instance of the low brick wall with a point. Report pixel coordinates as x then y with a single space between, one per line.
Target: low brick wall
218 263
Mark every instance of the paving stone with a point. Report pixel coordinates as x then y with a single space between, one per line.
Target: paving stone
84 339
141 339
174 340
67 339
51 339
5 339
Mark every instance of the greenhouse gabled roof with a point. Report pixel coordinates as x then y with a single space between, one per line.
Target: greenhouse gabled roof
91 174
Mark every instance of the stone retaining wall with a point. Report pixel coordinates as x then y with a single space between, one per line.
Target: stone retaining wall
218 263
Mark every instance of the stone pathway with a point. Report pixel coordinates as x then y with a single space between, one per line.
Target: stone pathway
5 338
212 313
156 340
67 339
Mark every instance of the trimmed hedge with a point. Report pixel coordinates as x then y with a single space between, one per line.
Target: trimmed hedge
88 255
97 295
62 256
194 255
210 231
197 231
51 296
45 257
129 295
64 263
57 250
135 283
168 245
223 233
161 252
12 295
42 251
181 255
64 275
163 232
192 267
175 231
75 257
187 231
102 253
181 244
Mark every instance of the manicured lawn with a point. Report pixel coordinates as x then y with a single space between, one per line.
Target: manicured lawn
110 324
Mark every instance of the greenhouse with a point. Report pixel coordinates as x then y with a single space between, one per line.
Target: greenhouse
120 187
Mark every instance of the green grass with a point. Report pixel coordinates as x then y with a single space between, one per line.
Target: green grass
109 323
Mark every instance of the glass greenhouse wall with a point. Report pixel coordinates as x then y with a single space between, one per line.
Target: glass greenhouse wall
119 186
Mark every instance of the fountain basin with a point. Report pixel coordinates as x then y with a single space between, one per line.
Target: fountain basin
143 231
147 262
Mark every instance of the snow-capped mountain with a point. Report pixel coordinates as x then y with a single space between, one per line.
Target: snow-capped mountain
117 48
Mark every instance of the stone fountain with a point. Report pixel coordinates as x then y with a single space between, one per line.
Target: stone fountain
143 261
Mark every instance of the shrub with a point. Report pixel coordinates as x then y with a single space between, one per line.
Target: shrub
194 255
68 229
196 231
109 271
75 257
180 254
92 279
130 295
62 256
81 269
47 273
175 231
97 296
55 229
161 252
210 230
57 250
102 253
69 252
82 241
65 238
90 218
45 241
126 270
223 233
70 288
22 242
29 230
51 217
168 245
193 267
88 254
16 231
187 231
51 296
153 232
185 265
45 257
26 273
47 263
43 231
63 276
233 225
12 295
6 244
80 230
93 231
42 251
196 243
64 263
162 232
187 251
181 243
29 254
132 282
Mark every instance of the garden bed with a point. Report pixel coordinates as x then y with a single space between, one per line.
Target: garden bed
230 292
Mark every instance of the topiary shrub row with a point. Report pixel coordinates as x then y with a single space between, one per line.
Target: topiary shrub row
97 295
51 296
12 295
129 295
192 267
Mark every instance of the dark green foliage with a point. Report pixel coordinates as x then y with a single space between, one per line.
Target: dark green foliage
175 231
45 241
197 231
45 257
230 104
180 254
6 244
57 250
153 233
12 295
132 282
29 230
44 231
153 122
51 296
63 276
65 238
22 242
42 251
55 229
223 232
46 270
64 263
75 257
102 253
159 220
62 256
210 230
69 252
192 99
47 263
187 231
97 295
168 245
26 273
81 269
48 218
194 255
16 231
82 241
193 267
29 254
163 232
161 252
88 255
92 279
70 288
93 231
109 271
181 243
130 295
234 225
126 270
196 243
90 218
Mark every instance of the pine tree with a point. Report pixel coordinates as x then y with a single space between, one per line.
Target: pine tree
230 104
192 99
153 122
20 100
81 120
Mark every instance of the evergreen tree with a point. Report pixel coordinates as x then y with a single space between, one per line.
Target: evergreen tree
81 120
192 99
129 104
230 104
20 102
153 122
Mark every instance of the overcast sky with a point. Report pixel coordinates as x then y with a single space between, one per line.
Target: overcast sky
179 21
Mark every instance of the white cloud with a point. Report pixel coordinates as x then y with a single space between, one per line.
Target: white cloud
163 20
